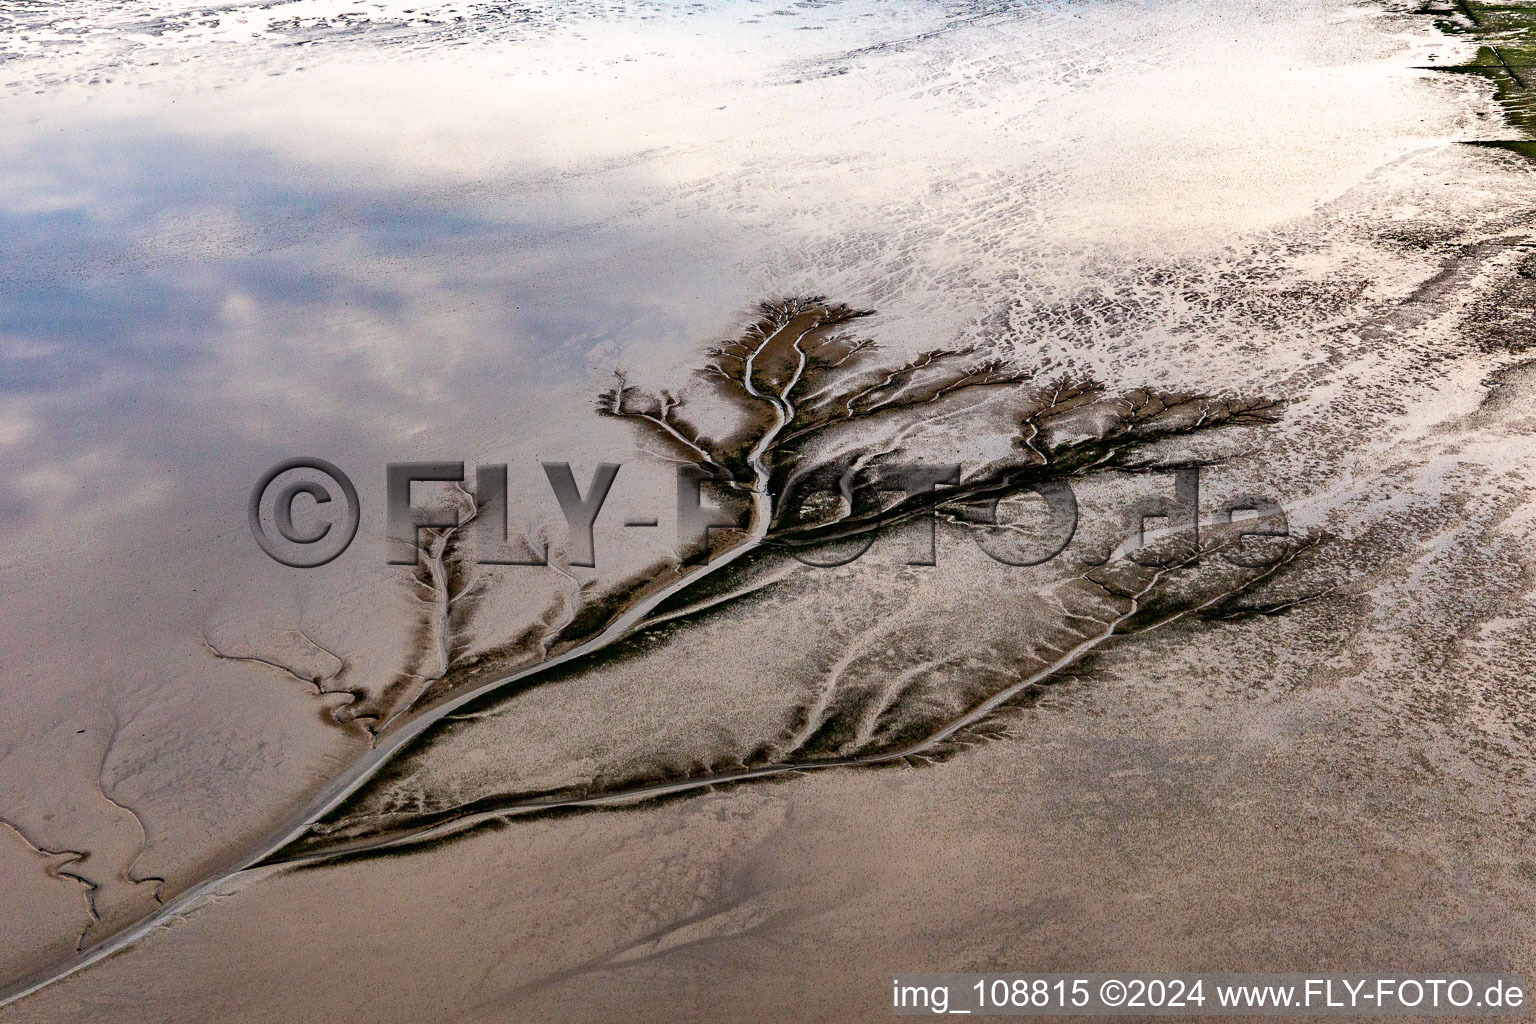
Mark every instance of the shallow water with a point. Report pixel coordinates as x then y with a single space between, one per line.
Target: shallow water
402 236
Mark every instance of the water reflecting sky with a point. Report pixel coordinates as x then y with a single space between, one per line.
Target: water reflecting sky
401 235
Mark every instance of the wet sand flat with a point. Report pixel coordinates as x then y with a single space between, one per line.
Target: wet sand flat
1094 245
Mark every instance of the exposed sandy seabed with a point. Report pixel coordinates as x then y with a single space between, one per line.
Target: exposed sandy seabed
415 237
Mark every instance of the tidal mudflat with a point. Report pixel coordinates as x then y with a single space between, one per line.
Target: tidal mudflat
894 286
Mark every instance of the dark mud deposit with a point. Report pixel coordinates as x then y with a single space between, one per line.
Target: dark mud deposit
822 416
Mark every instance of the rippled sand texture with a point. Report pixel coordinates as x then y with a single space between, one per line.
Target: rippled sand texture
1095 243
